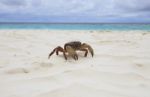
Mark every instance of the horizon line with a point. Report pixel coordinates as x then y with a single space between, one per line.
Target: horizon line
74 23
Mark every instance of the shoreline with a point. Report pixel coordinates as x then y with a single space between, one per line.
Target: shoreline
80 30
105 27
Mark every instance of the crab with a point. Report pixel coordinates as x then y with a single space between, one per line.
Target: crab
71 48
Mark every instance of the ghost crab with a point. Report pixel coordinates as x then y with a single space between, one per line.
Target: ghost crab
71 48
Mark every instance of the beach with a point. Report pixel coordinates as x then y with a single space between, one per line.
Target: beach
120 66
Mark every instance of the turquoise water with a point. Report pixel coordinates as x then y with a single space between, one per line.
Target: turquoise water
75 26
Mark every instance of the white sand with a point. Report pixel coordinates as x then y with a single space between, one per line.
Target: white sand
120 67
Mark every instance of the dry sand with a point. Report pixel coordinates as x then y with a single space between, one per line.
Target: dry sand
120 67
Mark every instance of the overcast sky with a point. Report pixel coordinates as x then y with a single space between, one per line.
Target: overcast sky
75 11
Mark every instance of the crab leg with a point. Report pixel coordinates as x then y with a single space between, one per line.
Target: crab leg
57 50
86 52
84 45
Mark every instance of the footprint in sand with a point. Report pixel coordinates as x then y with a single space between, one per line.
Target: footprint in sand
139 65
17 71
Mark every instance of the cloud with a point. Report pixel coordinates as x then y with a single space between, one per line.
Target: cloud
56 7
13 2
83 9
132 7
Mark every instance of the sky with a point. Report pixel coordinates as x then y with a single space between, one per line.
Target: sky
80 11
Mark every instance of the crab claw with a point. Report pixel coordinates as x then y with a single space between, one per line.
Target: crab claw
72 52
84 45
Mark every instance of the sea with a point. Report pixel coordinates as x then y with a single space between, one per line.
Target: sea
75 26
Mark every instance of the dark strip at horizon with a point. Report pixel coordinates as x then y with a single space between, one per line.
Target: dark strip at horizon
65 23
